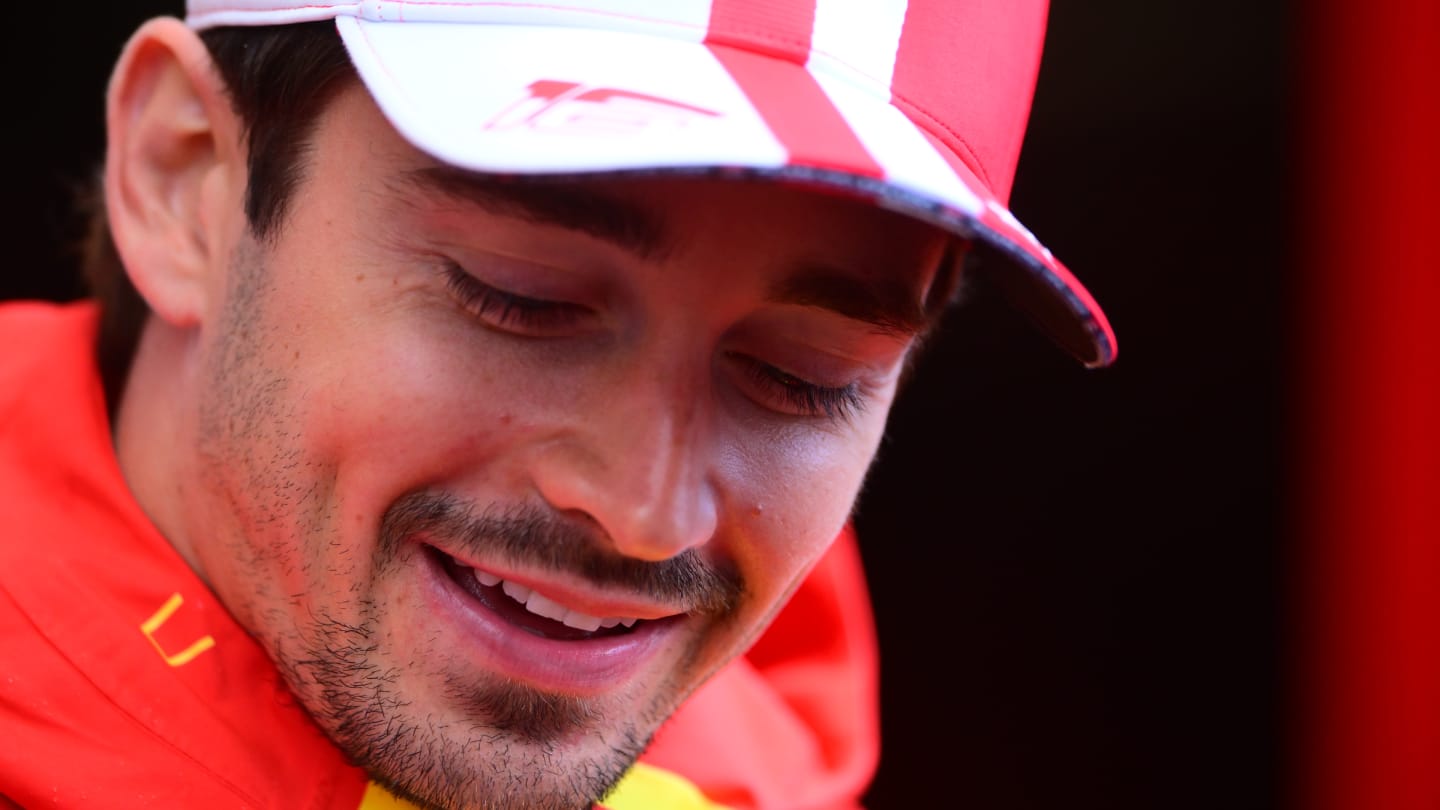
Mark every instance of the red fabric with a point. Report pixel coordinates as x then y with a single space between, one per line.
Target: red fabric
798 113
972 65
95 716
1369 460
777 28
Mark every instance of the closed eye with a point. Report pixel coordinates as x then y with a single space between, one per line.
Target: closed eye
508 311
787 393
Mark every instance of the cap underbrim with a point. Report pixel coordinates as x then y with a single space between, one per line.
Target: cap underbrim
550 100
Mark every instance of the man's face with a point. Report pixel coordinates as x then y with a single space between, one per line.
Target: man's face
645 407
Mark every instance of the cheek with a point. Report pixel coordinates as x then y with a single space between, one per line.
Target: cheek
793 495
417 405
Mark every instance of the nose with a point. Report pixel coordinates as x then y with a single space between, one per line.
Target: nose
638 464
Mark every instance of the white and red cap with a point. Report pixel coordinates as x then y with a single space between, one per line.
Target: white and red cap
918 106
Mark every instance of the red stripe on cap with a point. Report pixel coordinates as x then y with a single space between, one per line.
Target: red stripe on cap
798 113
777 28
966 71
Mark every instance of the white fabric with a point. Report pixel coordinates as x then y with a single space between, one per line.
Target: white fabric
685 19
901 150
213 13
858 39
464 94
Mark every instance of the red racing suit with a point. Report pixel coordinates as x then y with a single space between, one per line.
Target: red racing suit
125 683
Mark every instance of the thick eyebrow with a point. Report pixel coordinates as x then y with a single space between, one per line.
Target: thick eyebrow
568 205
885 303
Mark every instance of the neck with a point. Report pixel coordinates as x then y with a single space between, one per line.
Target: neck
154 432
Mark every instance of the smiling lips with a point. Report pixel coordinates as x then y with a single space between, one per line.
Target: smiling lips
541 605
531 610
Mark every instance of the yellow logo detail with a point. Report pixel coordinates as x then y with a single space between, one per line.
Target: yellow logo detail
157 621
378 798
646 787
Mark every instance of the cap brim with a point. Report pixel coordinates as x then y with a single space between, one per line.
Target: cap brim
531 100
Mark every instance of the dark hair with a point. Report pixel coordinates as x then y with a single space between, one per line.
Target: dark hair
279 80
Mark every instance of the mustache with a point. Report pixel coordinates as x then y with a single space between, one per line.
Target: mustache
529 536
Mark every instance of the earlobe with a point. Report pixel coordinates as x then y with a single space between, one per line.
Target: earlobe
173 169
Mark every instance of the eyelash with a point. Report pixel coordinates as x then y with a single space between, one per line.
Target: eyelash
807 398
505 309
512 311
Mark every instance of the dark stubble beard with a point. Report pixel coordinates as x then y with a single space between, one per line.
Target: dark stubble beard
499 748
491 752
439 763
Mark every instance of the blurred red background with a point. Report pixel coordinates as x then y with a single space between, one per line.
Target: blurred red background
1366 731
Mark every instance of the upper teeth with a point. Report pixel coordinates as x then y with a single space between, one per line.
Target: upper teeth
549 608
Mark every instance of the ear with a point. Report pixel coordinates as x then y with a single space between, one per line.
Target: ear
174 170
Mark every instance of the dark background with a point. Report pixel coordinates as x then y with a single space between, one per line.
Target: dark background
1076 573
